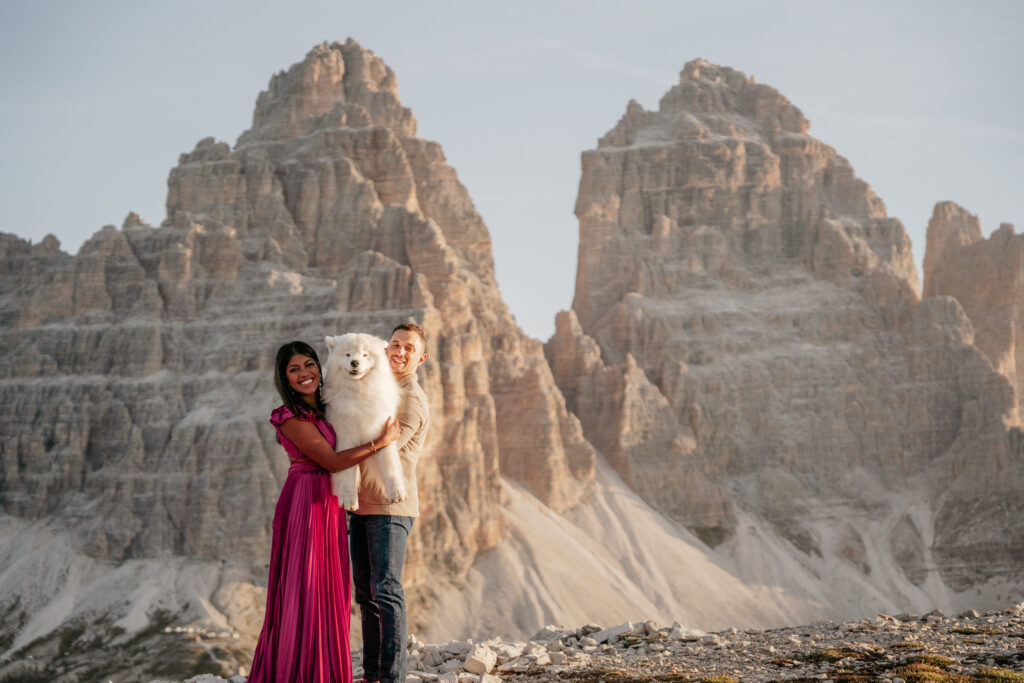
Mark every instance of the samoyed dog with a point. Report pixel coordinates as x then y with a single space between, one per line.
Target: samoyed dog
360 393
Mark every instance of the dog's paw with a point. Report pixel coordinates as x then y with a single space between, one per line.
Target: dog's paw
348 500
398 495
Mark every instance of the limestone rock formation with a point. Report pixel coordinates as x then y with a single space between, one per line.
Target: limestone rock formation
985 276
748 348
747 351
137 374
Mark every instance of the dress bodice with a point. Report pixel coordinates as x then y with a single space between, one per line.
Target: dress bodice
280 415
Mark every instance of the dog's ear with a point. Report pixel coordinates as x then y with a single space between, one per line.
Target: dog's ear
330 342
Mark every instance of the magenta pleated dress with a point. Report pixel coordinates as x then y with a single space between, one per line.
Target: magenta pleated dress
306 625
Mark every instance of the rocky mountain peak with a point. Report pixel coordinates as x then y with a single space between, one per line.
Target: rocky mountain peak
711 88
950 227
156 345
710 101
747 343
984 276
134 220
48 245
746 352
337 84
724 176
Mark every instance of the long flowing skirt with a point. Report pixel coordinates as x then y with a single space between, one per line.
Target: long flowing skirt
306 625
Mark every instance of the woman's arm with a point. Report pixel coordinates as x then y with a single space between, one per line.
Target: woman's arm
308 439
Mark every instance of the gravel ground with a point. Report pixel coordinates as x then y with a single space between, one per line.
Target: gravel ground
969 647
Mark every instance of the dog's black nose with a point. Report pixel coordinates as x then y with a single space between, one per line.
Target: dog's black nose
355 364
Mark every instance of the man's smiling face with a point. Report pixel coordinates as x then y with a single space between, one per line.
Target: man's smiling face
405 353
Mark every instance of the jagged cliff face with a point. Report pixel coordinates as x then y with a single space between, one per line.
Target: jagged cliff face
986 476
138 373
986 277
748 348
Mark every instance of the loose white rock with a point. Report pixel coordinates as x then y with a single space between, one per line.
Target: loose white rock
549 632
534 649
602 636
432 656
517 665
451 665
507 651
481 660
457 648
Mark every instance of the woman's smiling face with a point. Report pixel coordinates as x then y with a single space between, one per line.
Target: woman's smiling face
304 377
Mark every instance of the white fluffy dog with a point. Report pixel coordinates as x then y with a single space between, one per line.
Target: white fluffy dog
361 393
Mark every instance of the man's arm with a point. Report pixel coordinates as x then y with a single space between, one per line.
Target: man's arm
412 415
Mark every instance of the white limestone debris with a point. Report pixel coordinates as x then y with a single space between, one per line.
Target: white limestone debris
884 648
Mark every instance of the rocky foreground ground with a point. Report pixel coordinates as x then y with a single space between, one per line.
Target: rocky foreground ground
904 648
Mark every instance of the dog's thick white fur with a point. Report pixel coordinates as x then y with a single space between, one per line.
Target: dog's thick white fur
361 393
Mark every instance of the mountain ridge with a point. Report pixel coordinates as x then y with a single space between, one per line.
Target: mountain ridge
329 214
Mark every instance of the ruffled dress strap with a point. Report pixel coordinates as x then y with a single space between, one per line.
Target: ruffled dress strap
282 414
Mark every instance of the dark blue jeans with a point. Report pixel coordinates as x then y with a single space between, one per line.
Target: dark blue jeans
377 544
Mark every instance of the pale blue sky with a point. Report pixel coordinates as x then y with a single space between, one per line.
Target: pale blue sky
100 98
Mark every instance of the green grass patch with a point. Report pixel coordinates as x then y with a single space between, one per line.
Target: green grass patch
616 676
969 631
1000 675
850 676
834 654
933 660
785 662
919 672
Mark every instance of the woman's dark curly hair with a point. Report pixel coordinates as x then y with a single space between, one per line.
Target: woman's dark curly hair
292 400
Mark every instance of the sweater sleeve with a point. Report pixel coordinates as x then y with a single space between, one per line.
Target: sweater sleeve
412 417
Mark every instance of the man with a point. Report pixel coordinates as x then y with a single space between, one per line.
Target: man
378 530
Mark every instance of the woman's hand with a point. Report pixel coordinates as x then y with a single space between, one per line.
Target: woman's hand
388 433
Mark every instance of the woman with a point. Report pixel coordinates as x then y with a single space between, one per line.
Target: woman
306 625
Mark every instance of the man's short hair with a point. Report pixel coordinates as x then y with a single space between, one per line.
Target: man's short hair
412 327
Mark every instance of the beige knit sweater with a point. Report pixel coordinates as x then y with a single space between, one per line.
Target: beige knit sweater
413 417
